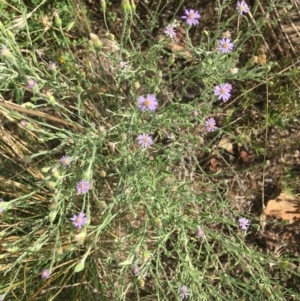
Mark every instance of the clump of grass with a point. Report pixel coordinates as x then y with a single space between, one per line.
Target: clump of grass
104 192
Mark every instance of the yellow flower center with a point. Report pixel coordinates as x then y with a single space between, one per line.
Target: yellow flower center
147 103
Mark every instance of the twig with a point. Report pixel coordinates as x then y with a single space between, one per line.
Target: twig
18 108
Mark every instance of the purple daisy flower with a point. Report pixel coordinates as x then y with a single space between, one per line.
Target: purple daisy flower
79 220
170 31
52 66
66 160
83 187
31 84
199 233
210 124
223 91
45 274
242 7
183 292
135 270
123 65
148 103
191 17
24 123
244 223
144 140
225 45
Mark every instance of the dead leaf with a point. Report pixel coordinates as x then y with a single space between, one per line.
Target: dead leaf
226 143
179 45
214 162
247 157
180 50
285 206
261 59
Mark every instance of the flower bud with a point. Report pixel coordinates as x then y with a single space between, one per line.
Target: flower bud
55 173
7 55
33 86
80 238
111 36
90 42
123 136
103 5
78 90
52 216
59 250
126 7
101 129
45 169
51 184
97 45
136 85
268 67
51 98
146 256
266 291
86 175
102 174
28 105
133 6
141 282
57 20
159 77
80 266
70 26
158 223
171 59
234 70
93 37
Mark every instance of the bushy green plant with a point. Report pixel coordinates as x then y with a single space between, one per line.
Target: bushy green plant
106 195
